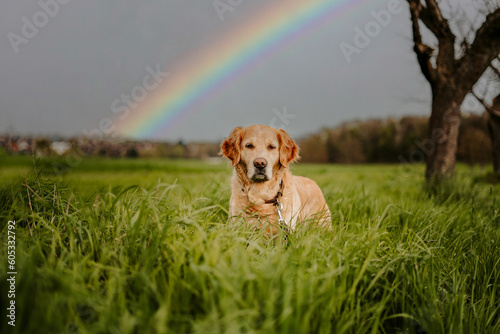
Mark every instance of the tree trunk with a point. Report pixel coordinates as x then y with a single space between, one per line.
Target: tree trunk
442 141
494 127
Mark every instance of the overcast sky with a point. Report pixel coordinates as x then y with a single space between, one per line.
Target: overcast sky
63 78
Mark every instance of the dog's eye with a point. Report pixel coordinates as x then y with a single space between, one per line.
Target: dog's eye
249 145
271 147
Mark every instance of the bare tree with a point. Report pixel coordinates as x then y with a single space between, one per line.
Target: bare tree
452 68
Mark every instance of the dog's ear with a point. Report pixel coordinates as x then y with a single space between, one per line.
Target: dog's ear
289 151
231 147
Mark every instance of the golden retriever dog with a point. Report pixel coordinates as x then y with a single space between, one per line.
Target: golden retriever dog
262 183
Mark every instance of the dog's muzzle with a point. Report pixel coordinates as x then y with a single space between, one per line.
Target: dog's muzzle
260 165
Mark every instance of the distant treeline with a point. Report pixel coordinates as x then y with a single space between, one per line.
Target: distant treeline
393 141
371 141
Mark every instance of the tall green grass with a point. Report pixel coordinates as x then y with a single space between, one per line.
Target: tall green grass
153 253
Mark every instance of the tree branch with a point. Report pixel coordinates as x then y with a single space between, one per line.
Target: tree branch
434 20
483 50
423 51
491 110
431 16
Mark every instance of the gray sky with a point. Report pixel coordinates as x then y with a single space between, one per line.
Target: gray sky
63 79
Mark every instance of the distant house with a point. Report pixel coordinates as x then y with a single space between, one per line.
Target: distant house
60 147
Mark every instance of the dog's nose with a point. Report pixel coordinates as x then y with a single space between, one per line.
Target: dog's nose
260 163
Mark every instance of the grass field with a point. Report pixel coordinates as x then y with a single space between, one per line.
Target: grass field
138 246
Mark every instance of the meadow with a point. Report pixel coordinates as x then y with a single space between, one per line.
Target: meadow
142 246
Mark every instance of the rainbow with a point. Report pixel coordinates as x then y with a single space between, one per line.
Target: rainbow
207 71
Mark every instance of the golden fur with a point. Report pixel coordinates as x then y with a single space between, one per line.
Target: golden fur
260 156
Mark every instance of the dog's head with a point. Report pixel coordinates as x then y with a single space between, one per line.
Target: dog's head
261 150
